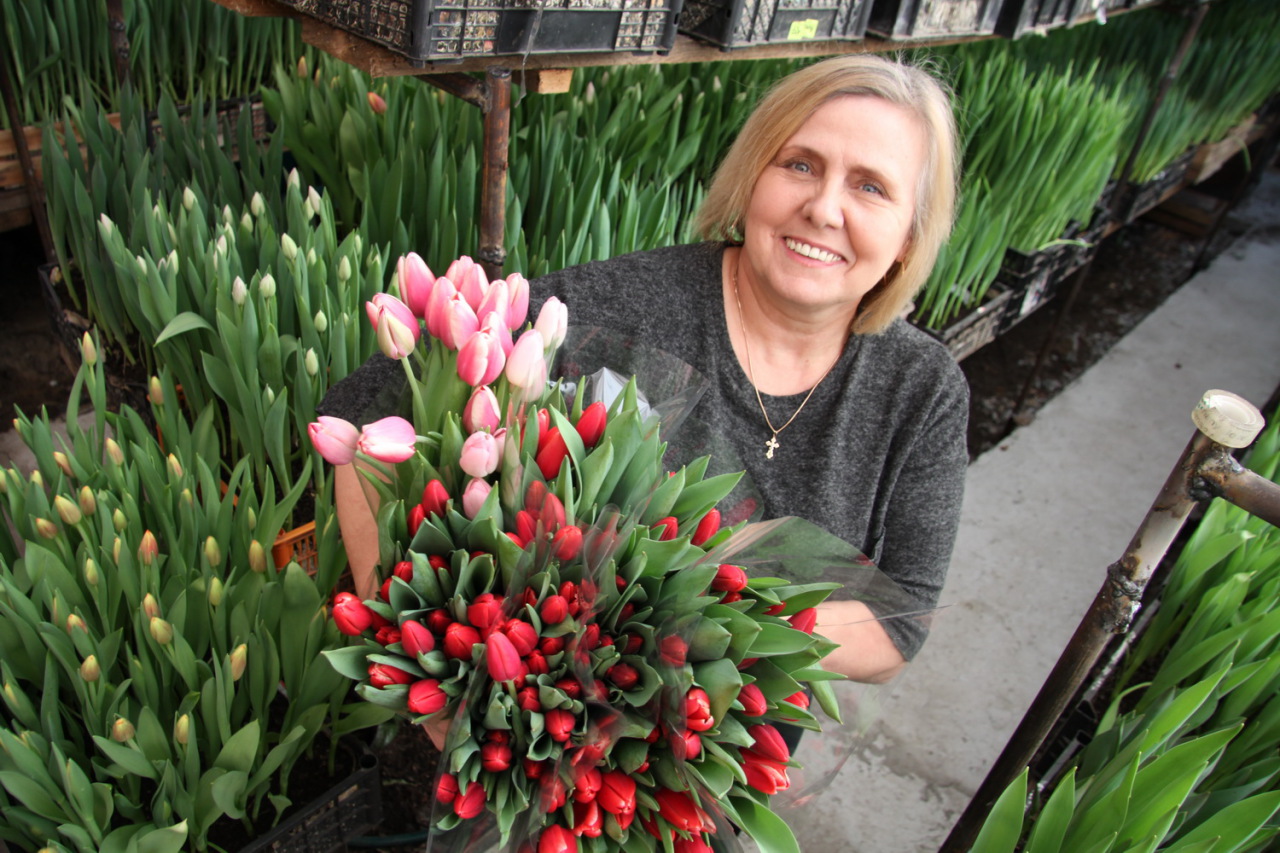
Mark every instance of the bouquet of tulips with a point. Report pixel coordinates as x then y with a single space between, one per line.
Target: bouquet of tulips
612 666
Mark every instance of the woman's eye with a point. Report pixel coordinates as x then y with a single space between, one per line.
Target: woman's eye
872 188
799 166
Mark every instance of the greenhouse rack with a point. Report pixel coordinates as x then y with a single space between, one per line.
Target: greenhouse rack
545 73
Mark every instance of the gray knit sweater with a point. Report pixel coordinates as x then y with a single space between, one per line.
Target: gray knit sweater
877 456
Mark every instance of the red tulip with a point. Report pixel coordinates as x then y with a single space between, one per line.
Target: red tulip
617 792
417 515
485 613
729 579
623 675
352 616
764 774
551 454
559 724
434 498
587 819
528 699
678 809
697 710
426 697
459 639
775 609
447 788
384 675
557 839
501 658
685 745
416 638
591 423
554 610
495 757
570 687
696 844
800 699
768 742
753 701
537 663
666 529
806 620
586 783
533 769
551 645
438 621
470 803
536 495
387 635
522 635
526 525
551 513
566 544
672 650
709 526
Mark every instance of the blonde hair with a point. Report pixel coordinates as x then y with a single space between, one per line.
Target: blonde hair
788 105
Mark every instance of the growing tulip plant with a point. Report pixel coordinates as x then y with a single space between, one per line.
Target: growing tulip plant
612 673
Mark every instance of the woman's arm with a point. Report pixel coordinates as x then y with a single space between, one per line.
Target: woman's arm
866 652
354 500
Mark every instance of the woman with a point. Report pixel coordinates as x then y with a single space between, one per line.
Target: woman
823 221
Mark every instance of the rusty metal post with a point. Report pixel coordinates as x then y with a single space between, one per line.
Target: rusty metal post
493 96
493 190
32 182
119 39
1224 421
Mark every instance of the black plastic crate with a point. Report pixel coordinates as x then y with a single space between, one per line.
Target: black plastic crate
1019 17
1143 197
741 23
969 332
906 19
444 30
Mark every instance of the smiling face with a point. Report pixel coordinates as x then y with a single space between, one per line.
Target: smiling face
833 210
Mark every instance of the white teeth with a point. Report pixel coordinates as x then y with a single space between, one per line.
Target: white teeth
812 252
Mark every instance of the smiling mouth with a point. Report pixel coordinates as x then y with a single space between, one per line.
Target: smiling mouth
812 252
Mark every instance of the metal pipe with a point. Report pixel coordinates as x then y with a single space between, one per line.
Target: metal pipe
119 39
493 191
1223 420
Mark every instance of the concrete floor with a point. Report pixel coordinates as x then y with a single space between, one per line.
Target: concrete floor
1044 515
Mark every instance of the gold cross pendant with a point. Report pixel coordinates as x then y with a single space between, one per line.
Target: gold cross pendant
772 444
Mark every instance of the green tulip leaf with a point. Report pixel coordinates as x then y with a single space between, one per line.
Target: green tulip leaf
352 661
1051 824
1003 826
1233 826
241 749
181 324
130 760
770 832
169 839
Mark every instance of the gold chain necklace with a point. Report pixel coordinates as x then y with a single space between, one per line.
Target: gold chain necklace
772 443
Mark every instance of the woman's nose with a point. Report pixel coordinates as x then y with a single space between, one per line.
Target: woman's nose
826 208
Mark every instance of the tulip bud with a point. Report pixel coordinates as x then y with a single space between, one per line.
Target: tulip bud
344 269
215 591
552 322
90 572
175 467
257 205
212 552
119 522
320 322
267 286
161 631
481 412
88 352
246 223
155 391
106 225
171 259
314 198
115 549
182 729
46 528
122 730
293 179
67 511
188 199
238 658
37 478
90 670
257 557
148 549
88 503
474 496
289 247
150 606
75 623
64 464
376 103
239 291
114 451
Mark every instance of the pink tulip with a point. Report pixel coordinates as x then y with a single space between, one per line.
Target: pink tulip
388 440
497 299
557 839
753 701
426 697
496 325
481 412
352 616
334 439
474 496
416 281
553 322
526 368
397 327
481 359
416 638
591 423
437 313
480 455
460 267
460 322
472 282
519 309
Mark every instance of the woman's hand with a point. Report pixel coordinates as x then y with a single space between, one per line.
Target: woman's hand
866 653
